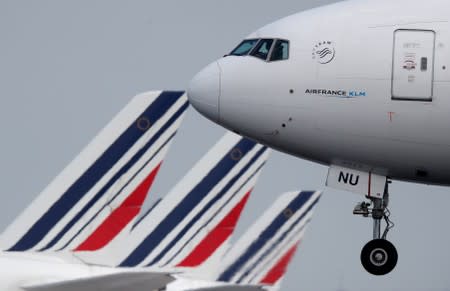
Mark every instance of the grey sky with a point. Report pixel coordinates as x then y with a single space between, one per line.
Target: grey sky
67 67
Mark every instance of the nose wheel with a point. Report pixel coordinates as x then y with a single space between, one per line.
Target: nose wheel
379 256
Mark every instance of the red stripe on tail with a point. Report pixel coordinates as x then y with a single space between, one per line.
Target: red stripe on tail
120 217
278 271
216 237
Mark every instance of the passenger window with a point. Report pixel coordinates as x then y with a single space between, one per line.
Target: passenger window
262 49
244 47
280 51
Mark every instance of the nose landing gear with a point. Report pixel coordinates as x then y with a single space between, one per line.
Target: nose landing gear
379 256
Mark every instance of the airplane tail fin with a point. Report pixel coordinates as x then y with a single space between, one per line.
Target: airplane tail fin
192 223
261 256
102 190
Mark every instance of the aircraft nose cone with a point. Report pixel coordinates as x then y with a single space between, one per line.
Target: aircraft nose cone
204 91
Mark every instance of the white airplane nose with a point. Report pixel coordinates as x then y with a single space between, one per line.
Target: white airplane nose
204 91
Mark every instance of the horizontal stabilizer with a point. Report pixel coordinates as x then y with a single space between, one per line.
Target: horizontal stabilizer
131 281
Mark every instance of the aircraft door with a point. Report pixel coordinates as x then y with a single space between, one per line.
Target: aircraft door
413 65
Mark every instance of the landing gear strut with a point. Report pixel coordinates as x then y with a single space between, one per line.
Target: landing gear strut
379 256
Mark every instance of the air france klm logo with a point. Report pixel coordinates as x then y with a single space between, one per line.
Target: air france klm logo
336 93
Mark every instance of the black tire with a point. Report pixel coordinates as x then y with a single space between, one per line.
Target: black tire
379 257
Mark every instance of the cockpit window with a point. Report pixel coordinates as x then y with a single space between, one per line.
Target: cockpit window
266 49
262 49
244 47
280 51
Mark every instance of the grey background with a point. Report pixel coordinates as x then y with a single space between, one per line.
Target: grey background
66 67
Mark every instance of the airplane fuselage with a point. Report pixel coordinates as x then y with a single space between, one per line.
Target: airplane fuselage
366 86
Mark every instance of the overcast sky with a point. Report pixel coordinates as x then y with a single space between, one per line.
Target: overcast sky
66 68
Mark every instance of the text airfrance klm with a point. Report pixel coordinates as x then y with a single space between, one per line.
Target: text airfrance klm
336 93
